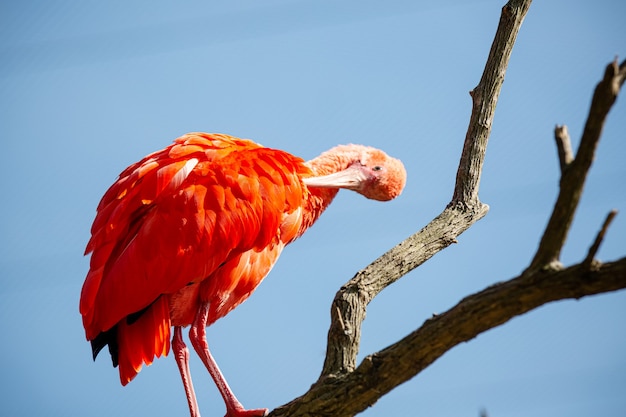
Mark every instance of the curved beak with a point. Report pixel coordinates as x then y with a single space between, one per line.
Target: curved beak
350 178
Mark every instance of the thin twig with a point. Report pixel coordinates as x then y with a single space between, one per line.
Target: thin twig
563 146
600 236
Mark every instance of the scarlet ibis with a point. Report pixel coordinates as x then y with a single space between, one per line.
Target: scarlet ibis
186 234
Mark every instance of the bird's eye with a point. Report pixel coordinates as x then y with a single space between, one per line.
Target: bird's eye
377 168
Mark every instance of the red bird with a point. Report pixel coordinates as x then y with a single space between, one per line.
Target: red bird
187 233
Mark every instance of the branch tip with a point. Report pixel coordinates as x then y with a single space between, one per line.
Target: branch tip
616 71
599 237
563 146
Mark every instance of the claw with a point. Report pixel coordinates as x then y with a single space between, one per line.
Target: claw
257 412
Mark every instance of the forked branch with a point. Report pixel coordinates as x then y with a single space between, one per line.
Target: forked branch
345 389
574 174
380 372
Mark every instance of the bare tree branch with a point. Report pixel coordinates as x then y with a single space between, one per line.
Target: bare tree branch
484 100
350 303
573 178
345 389
348 394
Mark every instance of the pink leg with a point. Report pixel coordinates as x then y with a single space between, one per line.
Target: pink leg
181 353
197 335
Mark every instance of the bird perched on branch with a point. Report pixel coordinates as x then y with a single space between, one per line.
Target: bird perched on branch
186 234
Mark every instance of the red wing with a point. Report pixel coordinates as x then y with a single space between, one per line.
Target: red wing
176 216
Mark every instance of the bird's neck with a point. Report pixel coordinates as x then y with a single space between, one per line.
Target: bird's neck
329 162
334 160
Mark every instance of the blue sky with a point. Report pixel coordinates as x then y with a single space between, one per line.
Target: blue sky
87 87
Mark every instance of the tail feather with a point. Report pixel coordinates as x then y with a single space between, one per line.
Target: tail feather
137 339
143 338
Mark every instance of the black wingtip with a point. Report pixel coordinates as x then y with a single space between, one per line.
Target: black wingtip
103 339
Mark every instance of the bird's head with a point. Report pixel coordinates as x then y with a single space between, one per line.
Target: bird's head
369 171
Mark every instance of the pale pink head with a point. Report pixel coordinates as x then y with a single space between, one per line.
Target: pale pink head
366 170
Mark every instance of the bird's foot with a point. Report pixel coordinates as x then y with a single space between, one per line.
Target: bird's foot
241 412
